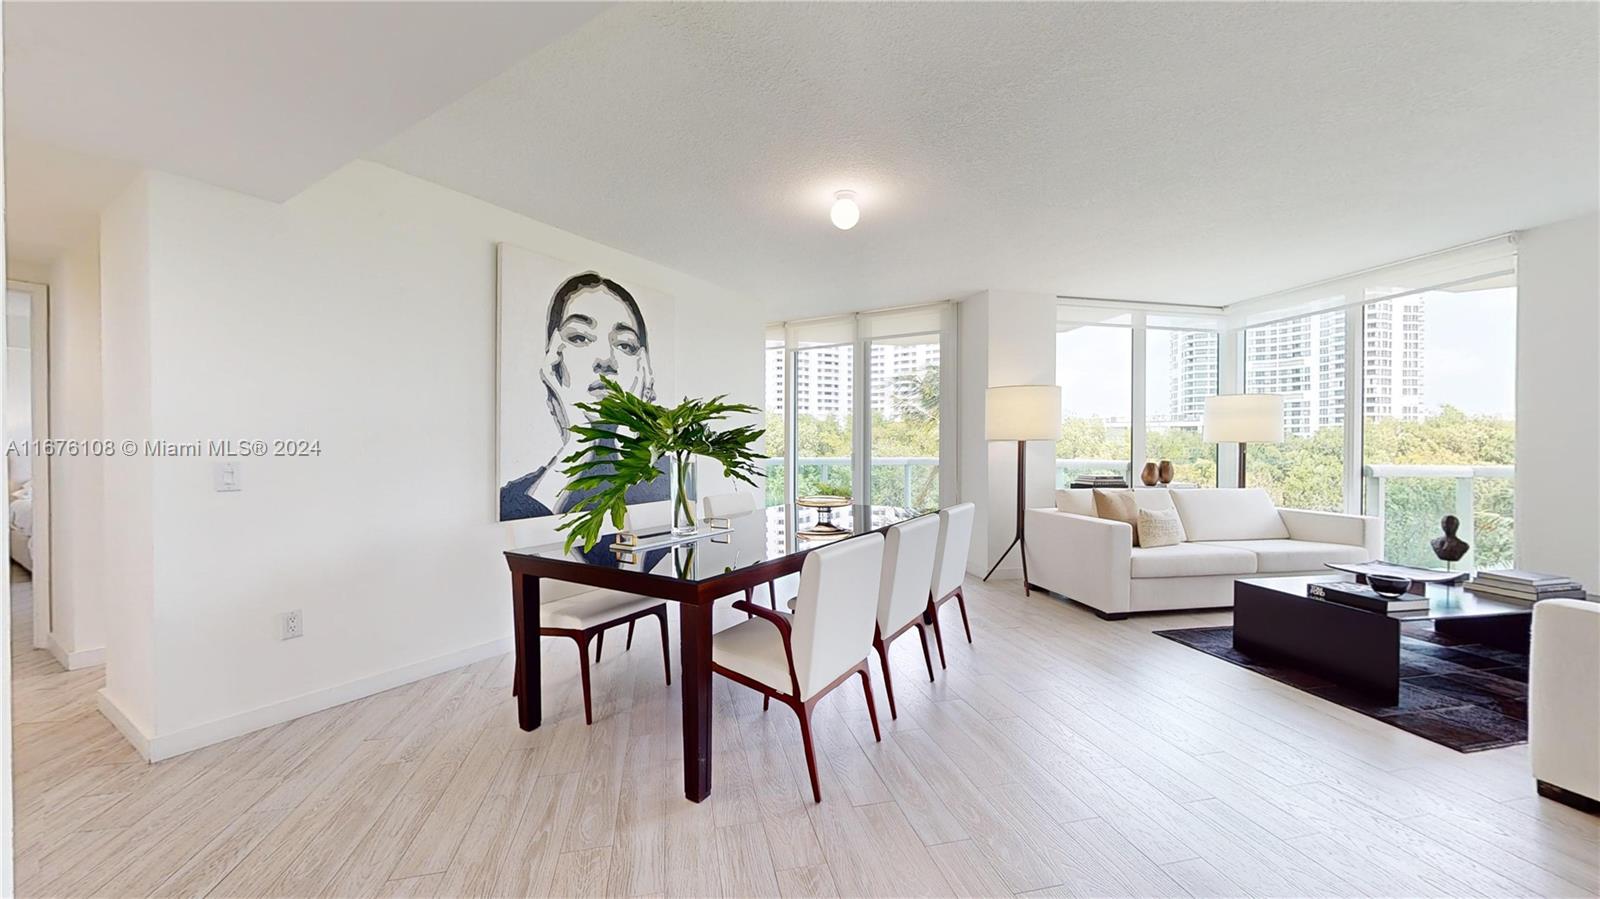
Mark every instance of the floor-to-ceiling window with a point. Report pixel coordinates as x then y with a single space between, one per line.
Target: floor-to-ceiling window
868 411
1094 369
904 392
1439 429
1181 368
1303 360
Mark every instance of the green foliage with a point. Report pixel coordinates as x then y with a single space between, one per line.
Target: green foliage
627 436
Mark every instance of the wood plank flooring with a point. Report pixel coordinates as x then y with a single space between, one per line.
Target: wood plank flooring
1059 755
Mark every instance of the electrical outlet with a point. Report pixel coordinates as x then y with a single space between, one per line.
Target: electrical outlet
291 625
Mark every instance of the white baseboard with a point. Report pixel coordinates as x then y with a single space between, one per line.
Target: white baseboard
133 732
165 746
83 658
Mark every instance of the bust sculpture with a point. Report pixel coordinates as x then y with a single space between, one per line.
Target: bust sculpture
1448 547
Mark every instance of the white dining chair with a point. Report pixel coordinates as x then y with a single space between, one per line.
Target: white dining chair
585 617
798 660
950 567
908 559
732 505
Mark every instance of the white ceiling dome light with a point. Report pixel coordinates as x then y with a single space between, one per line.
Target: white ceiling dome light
845 213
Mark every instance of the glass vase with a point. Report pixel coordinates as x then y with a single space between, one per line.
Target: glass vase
683 522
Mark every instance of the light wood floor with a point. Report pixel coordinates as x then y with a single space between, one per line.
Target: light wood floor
1059 754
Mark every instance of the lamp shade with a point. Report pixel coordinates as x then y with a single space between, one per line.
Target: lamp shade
1244 418
1023 412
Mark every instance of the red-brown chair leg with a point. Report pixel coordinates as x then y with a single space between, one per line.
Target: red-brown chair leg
516 678
629 645
766 703
599 645
883 662
922 634
749 595
872 710
583 673
772 595
938 634
961 600
803 710
666 653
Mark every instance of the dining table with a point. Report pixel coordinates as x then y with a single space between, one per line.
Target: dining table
733 556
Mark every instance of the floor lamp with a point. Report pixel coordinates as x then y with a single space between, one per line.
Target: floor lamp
1022 412
1243 418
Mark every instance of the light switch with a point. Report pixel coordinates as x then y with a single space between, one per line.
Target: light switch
226 476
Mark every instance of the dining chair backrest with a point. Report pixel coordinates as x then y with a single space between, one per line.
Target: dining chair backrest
908 555
647 515
727 505
834 614
955 540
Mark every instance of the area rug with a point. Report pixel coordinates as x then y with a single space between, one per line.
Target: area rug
1466 696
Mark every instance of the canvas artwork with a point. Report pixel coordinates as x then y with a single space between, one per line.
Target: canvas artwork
563 326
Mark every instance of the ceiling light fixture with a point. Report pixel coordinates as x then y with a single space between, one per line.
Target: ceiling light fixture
845 212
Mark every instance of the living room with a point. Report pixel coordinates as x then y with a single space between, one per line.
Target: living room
964 274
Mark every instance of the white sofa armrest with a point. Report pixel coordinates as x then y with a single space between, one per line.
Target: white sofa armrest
1081 557
1335 527
1564 696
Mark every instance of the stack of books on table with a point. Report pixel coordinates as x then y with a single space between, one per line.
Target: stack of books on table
1361 596
1525 585
1088 481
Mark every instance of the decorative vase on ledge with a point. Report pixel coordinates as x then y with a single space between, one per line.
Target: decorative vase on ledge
1148 474
1165 472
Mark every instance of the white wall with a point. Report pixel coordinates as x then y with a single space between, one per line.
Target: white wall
1558 399
1006 337
76 482
361 314
128 503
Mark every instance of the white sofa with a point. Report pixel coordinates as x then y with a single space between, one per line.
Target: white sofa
1231 533
1564 701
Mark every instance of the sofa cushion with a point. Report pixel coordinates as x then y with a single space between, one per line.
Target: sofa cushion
1274 556
1189 560
1160 527
1118 505
1077 502
1228 514
1154 499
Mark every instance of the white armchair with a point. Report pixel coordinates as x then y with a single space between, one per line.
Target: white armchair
1230 534
1564 701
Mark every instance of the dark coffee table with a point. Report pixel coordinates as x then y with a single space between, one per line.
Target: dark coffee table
1273 618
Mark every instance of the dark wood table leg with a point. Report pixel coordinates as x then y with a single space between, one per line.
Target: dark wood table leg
525 611
694 622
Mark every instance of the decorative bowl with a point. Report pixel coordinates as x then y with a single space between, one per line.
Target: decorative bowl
1388 585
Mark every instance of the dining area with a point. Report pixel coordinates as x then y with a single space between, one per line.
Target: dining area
815 594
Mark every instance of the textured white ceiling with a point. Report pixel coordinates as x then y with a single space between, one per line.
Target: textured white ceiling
264 98
1178 152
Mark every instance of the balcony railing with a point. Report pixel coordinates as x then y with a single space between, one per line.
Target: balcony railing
1413 498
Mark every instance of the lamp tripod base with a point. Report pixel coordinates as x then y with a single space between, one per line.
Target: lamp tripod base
1015 542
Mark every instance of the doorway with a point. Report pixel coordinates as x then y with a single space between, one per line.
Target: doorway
27 430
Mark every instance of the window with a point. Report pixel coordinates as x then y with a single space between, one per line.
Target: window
1094 368
1438 427
1303 359
776 421
1181 370
904 393
870 411
823 420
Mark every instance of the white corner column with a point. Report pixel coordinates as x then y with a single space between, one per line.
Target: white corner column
1005 337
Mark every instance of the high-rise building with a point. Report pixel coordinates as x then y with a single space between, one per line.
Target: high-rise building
824 376
1192 363
1304 360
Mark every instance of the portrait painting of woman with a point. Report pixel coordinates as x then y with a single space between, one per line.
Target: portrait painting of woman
563 329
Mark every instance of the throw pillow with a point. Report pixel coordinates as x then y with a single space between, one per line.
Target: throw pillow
1159 527
1118 505
1077 502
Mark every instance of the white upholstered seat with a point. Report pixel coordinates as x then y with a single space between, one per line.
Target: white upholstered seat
1278 556
950 567
909 550
727 505
592 608
1189 560
798 659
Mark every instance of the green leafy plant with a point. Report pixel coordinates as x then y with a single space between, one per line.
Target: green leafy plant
625 439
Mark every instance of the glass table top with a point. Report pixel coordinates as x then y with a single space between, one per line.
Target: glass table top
763 535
